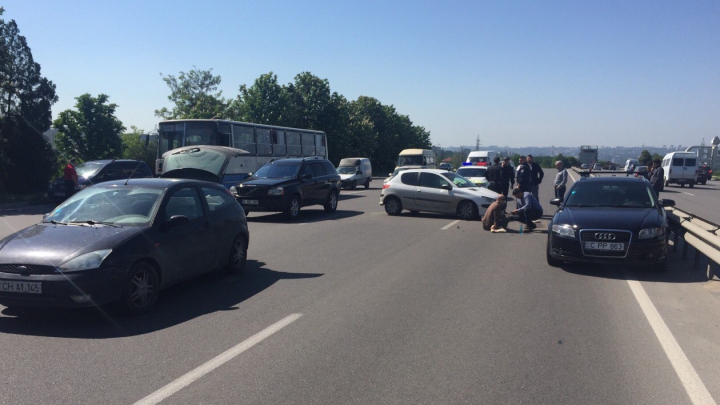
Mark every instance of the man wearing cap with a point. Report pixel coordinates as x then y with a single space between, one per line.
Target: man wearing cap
536 176
494 219
560 180
507 176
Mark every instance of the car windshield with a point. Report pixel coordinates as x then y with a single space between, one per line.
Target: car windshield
124 205
410 160
603 194
347 170
472 172
458 180
278 171
196 158
88 169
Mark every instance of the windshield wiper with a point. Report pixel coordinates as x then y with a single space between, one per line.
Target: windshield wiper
54 222
92 223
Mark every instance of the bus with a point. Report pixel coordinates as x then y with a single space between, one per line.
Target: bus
262 142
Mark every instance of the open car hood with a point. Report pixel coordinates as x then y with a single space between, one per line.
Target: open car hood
190 173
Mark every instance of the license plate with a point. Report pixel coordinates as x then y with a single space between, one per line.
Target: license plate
250 202
610 246
21 287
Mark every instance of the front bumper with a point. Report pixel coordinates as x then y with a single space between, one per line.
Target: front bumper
263 203
647 251
101 286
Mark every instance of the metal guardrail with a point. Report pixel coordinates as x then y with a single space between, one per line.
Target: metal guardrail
698 233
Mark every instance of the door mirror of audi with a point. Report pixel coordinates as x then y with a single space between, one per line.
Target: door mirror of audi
667 203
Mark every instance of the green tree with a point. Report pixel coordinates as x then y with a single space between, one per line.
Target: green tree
91 131
645 157
26 158
135 147
265 102
194 95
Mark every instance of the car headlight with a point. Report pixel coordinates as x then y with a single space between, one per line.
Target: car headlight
488 199
648 233
87 261
233 189
564 230
276 191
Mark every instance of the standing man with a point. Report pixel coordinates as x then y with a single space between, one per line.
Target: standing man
536 176
657 177
560 180
70 178
493 175
523 174
528 208
507 176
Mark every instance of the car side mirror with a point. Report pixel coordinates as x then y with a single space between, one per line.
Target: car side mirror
176 220
667 202
556 201
446 187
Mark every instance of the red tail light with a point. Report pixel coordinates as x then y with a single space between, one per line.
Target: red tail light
386 185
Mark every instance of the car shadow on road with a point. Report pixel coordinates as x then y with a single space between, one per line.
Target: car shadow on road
342 196
306 216
178 304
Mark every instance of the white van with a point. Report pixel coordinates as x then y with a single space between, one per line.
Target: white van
631 164
680 168
480 158
354 172
417 158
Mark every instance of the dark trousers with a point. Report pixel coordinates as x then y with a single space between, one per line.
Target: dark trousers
528 216
504 188
560 192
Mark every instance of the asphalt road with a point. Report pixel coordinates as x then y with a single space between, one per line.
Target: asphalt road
357 307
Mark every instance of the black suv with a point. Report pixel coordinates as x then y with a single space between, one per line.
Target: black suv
286 185
98 171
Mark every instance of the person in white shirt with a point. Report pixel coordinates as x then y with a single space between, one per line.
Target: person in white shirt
560 180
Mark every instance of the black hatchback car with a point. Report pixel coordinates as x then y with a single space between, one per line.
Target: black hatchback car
123 241
98 171
286 185
609 219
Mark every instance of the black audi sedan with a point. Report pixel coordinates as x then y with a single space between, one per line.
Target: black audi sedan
609 219
123 241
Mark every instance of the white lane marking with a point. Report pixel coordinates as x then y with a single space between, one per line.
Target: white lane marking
353 192
689 378
685 192
450 225
216 362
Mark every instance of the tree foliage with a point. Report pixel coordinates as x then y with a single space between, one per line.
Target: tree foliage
26 158
135 147
645 157
194 95
90 131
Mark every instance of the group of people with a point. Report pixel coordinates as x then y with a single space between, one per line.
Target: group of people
528 177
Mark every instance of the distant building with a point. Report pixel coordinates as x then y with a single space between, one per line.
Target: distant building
588 154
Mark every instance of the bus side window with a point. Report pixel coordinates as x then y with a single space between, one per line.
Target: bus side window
294 147
278 140
308 144
264 142
244 138
320 149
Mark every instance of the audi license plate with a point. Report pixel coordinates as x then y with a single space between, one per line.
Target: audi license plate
21 287
611 246
250 202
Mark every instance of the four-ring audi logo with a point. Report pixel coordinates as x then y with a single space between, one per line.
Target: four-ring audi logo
605 236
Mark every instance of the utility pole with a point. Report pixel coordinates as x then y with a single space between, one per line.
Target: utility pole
477 143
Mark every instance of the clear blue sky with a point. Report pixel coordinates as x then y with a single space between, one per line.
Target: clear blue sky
516 73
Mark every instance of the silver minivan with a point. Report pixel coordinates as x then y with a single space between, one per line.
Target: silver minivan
354 172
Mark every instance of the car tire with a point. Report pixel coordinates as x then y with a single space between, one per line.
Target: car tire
467 210
367 183
140 289
353 185
332 202
393 206
292 211
238 255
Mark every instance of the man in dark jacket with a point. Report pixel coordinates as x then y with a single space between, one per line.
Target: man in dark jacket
523 174
493 175
657 176
536 176
507 176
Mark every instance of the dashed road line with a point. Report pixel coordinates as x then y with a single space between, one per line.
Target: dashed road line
450 225
685 192
194 375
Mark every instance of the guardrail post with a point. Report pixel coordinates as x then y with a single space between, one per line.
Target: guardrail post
676 237
685 249
696 259
711 270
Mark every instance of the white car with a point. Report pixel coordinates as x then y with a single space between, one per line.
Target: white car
476 174
435 190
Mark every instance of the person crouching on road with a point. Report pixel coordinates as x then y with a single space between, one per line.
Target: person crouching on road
494 219
528 208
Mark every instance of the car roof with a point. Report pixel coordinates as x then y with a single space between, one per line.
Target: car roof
613 180
438 171
298 160
149 182
106 161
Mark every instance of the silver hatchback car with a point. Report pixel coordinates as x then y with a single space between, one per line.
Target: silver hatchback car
435 190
